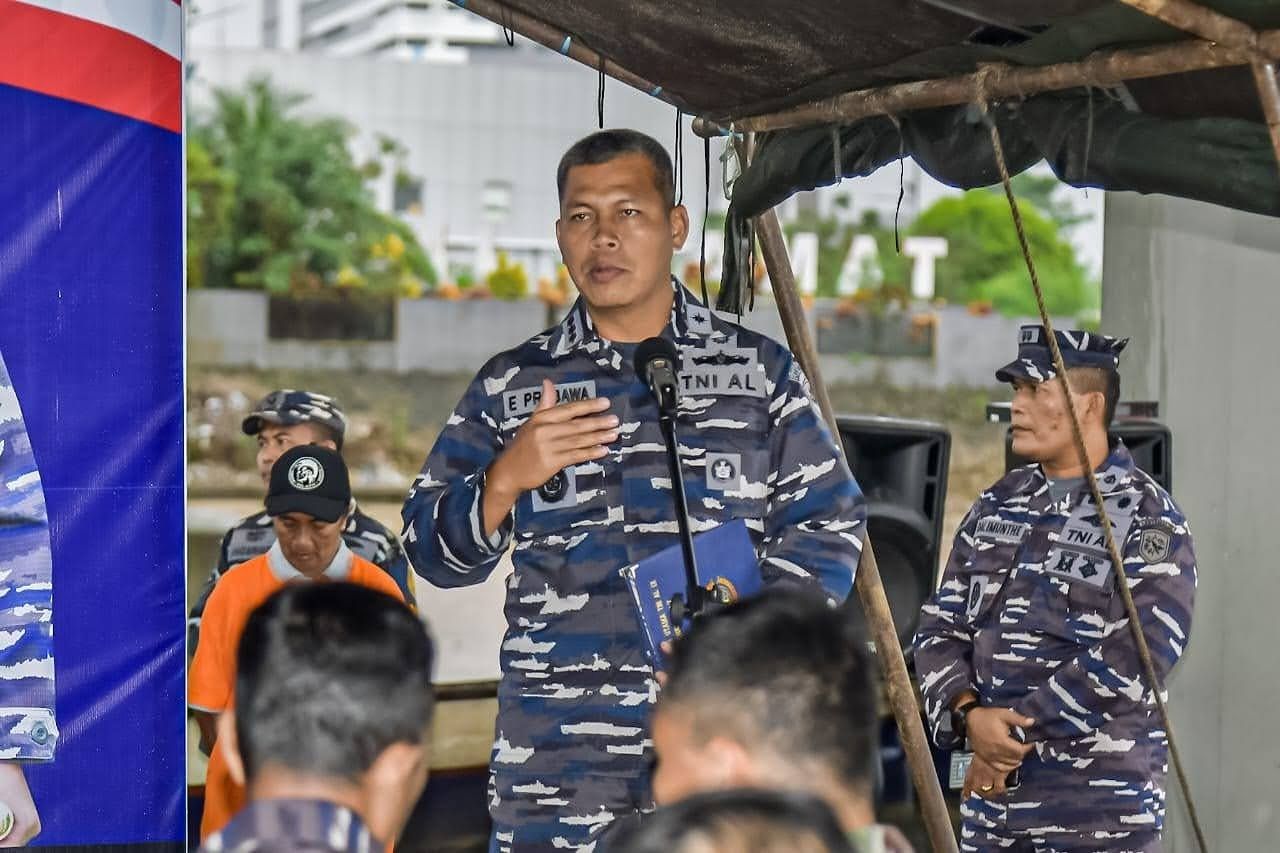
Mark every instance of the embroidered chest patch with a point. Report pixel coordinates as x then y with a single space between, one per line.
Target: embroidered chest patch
998 530
977 588
522 401
724 471
724 371
1081 552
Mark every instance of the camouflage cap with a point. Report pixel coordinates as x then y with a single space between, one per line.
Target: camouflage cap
288 407
1079 349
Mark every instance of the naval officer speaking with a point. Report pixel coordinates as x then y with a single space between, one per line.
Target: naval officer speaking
555 449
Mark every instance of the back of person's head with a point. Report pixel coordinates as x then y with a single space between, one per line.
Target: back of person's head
738 821
328 677
783 678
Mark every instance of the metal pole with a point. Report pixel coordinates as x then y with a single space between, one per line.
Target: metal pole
1104 68
901 695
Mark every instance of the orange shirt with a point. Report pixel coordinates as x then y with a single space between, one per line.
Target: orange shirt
211 681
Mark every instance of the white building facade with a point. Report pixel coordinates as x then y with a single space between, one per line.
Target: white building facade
425 30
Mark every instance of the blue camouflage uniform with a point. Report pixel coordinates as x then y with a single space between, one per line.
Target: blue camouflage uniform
572 750
28 731
1027 616
297 826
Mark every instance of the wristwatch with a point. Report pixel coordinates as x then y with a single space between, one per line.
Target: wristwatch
960 716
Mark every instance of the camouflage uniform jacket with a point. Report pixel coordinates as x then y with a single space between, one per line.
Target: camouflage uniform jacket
1028 617
276 826
576 689
28 731
252 536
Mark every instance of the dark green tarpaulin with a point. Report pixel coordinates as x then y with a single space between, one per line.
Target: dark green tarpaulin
1198 135
1088 141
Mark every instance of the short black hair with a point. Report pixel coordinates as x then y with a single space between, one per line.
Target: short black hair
784 671
1084 380
324 432
329 675
738 821
605 145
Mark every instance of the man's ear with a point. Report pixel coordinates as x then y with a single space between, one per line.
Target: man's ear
392 786
229 743
679 220
731 764
1095 408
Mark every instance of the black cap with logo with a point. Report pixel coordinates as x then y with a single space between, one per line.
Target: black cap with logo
311 480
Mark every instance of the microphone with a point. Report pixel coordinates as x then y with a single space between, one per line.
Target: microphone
655 363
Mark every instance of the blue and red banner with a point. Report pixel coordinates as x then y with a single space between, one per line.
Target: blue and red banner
91 333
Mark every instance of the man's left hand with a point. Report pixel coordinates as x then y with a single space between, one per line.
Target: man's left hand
984 780
17 796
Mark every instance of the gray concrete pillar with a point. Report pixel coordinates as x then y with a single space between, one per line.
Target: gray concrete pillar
1197 287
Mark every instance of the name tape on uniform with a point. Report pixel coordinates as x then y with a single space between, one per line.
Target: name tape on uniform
522 401
999 530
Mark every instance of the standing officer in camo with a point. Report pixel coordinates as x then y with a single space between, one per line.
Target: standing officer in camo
1026 651
555 448
281 420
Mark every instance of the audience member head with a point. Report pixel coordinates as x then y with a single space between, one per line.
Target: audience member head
287 418
333 701
1041 424
738 821
309 499
774 692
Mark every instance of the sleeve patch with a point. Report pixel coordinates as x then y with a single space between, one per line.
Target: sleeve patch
1154 545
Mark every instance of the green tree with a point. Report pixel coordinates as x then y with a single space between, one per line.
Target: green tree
210 190
299 215
984 262
1042 191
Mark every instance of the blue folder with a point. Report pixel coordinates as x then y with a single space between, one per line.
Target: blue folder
727 566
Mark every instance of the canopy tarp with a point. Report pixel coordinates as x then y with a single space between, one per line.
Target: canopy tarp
1196 134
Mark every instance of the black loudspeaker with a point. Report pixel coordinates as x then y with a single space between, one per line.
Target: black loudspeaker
901 466
1150 442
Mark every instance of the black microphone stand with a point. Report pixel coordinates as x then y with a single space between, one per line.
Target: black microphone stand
655 362
695 596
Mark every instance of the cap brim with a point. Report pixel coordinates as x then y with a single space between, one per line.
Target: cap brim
253 424
1022 368
326 509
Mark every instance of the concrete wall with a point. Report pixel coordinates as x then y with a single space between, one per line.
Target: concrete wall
1198 288
459 337
228 328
